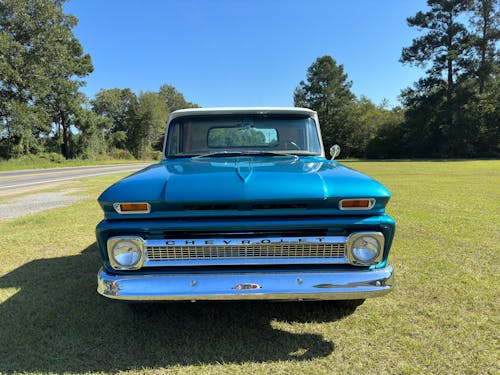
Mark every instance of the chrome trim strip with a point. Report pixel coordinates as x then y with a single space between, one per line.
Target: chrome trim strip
248 261
117 208
305 285
371 204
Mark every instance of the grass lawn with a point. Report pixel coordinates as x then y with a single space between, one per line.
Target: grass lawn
443 316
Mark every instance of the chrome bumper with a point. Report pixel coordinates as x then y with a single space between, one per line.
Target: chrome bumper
333 285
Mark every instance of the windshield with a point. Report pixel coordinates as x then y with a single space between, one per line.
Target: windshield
219 136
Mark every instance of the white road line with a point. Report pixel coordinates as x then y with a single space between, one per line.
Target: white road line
66 171
58 180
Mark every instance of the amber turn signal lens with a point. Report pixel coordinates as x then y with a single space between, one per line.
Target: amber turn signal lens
127 207
131 208
357 204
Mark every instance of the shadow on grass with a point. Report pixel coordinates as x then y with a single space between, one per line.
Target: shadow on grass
56 322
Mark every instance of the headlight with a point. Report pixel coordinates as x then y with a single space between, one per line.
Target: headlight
365 248
126 253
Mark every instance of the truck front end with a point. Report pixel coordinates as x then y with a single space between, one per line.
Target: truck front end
245 205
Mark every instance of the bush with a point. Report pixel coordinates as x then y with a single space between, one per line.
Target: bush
56 158
28 159
153 155
45 156
121 154
388 143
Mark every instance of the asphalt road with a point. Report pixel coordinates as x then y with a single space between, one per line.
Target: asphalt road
14 181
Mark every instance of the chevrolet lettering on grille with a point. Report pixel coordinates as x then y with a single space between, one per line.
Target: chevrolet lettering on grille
250 241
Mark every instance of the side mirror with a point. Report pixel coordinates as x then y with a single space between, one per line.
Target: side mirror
335 151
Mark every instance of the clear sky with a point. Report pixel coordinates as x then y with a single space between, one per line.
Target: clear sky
244 53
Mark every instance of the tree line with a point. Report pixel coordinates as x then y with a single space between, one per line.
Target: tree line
42 110
452 111
124 123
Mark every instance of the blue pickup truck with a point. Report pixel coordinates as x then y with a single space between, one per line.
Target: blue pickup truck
244 205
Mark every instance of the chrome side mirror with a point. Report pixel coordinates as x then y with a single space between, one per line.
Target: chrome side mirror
335 151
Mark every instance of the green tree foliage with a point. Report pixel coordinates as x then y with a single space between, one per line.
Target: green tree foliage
453 111
118 106
40 65
328 91
92 139
486 34
444 49
373 121
483 111
173 99
448 112
137 122
148 127
152 112
352 123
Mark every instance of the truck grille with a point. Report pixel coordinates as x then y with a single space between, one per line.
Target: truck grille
331 250
251 250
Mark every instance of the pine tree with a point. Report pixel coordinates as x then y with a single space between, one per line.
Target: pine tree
328 92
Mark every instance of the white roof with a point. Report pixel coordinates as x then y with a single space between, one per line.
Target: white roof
241 110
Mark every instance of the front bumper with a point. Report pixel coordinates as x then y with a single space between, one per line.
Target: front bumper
269 285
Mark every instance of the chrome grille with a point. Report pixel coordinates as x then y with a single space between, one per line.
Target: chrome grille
327 250
245 251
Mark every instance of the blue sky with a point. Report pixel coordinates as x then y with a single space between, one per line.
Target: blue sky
244 53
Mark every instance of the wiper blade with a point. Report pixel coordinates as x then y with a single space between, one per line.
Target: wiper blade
218 154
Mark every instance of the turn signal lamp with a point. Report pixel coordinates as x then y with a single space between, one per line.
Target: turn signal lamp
357 204
132 208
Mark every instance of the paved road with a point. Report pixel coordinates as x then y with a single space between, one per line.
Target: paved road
12 181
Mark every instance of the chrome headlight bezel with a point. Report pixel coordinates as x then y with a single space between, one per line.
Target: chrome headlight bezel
351 250
133 241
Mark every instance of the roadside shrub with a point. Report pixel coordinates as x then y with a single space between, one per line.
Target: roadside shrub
153 155
46 156
56 158
28 159
121 154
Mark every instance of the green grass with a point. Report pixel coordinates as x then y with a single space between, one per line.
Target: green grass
32 163
442 318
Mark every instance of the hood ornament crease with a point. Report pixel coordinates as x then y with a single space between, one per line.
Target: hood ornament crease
244 169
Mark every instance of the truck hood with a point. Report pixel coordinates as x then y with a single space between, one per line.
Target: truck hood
244 185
